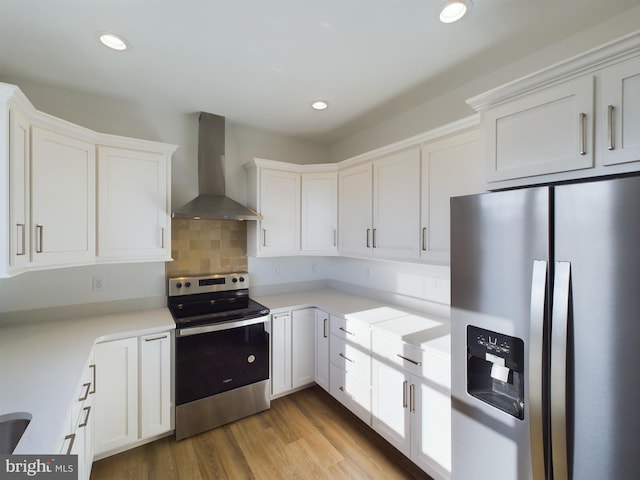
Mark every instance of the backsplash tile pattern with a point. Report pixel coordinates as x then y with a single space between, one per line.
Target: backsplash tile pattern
202 247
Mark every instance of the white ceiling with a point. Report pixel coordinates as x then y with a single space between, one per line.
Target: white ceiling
261 62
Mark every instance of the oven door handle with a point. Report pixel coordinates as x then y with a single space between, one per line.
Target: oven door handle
216 327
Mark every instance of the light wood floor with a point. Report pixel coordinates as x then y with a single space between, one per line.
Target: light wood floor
305 435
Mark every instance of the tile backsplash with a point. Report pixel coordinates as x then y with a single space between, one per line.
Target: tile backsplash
202 247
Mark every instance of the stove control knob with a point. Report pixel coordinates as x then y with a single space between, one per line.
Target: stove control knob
241 279
234 280
178 285
187 284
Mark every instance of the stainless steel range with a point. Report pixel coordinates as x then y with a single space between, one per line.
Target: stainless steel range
221 354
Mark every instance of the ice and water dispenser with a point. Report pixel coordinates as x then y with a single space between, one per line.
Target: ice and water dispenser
495 370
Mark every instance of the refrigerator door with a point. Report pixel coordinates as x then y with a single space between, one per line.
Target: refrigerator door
597 233
496 239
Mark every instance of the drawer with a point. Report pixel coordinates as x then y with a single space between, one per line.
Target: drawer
431 364
350 358
354 331
351 392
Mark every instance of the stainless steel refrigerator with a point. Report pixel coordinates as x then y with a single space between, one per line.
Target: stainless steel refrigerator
545 332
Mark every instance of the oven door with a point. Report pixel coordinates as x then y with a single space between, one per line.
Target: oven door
217 358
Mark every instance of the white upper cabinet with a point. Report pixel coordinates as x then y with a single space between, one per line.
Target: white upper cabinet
573 120
133 209
355 192
280 209
547 132
63 199
396 205
450 167
55 185
319 214
621 106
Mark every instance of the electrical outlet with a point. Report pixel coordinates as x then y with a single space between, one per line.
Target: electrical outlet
98 283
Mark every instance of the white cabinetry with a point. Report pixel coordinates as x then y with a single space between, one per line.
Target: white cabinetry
322 349
319 213
380 207
450 167
411 402
133 205
355 191
280 210
573 120
63 199
620 100
133 398
52 189
350 369
292 350
79 437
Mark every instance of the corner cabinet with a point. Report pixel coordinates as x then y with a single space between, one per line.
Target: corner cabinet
298 204
573 120
73 196
133 204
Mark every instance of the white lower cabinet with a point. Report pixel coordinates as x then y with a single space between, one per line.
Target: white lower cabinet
133 397
414 415
322 349
292 350
78 439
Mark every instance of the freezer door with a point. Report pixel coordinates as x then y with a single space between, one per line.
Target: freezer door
597 232
496 239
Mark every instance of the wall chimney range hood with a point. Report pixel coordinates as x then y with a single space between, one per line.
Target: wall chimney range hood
211 202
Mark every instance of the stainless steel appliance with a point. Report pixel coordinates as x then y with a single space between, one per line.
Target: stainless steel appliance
222 351
552 271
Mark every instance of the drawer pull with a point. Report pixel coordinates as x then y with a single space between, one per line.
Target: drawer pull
86 416
155 338
409 360
342 389
346 358
86 388
346 331
71 437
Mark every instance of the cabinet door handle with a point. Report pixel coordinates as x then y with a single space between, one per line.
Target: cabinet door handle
335 237
71 438
374 237
85 395
412 398
583 134
611 128
324 327
404 394
342 389
264 237
368 233
155 338
346 358
86 417
20 238
39 229
409 360
93 380
161 237
424 239
346 331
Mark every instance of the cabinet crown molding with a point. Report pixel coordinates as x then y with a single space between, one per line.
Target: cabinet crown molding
587 62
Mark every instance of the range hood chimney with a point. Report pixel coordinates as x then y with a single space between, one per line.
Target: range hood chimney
211 202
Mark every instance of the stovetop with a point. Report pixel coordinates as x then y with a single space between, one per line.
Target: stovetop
203 300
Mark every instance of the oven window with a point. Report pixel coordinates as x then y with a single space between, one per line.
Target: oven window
215 362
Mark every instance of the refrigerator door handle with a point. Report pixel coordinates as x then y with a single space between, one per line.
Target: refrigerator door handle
539 281
558 381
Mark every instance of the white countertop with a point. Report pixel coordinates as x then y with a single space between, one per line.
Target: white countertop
41 366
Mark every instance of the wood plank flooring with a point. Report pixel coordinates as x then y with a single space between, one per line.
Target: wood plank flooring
305 435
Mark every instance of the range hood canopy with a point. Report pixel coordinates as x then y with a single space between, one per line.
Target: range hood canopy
211 202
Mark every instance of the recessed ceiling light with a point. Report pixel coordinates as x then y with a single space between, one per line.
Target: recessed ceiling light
113 41
454 10
319 105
